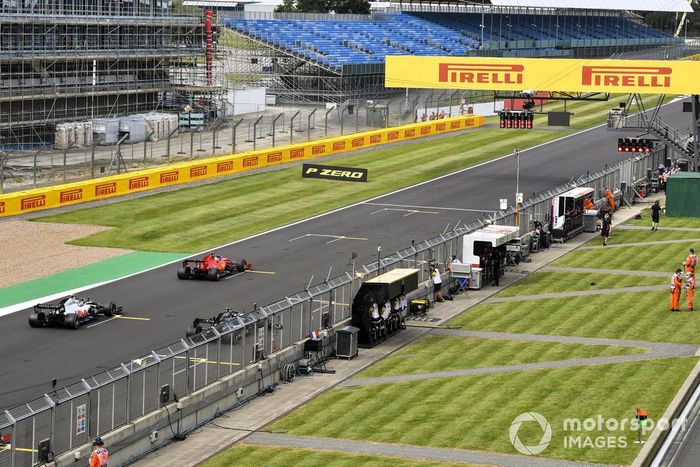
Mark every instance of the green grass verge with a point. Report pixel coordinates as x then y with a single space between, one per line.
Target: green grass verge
665 257
476 412
245 455
196 218
443 353
618 236
666 221
552 282
625 315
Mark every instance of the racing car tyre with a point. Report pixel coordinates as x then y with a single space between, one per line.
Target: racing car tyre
34 320
213 274
241 265
71 321
110 310
182 274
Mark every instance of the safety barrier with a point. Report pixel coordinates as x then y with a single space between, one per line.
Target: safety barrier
212 367
108 187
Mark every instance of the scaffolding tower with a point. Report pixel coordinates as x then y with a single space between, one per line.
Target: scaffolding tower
75 60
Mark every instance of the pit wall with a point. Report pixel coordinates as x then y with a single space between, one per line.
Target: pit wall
23 202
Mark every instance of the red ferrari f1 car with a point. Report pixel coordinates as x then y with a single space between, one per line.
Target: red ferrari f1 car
211 267
70 312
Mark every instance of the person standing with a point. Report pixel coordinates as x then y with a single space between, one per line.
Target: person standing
674 303
496 258
655 213
611 199
690 261
99 456
689 290
437 284
605 229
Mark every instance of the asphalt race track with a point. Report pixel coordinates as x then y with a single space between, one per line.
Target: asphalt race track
32 357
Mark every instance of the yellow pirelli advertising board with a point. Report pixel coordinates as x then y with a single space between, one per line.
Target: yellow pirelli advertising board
107 187
544 74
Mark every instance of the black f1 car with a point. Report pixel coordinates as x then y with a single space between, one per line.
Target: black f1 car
211 267
70 312
199 323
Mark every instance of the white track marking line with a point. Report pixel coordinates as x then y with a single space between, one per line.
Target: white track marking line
409 212
335 238
408 206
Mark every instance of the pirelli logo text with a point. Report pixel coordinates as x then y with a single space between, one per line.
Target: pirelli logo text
339 145
225 166
318 149
627 76
480 73
425 130
250 161
454 125
409 133
296 153
33 202
169 177
2 207
392 135
274 157
374 139
198 171
440 127
469 122
344 174
136 183
358 142
104 189
71 195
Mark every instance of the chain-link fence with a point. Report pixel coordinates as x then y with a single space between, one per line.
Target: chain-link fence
273 126
71 416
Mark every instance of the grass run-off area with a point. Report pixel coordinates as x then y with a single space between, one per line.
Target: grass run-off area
620 235
246 455
667 221
196 218
663 257
444 353
625 315
556 281
475 412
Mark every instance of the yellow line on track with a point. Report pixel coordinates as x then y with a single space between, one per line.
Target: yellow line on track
8 447
261 272
135 318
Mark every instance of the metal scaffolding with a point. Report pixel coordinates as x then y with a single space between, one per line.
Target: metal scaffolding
73 60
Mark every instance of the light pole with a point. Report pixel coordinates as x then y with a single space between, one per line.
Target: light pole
379 259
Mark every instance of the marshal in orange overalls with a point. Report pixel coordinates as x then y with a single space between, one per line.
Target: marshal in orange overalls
690 262
690 291
676 285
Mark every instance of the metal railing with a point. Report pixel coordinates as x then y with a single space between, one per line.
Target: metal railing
70 416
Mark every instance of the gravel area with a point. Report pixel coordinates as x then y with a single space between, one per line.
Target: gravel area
30 250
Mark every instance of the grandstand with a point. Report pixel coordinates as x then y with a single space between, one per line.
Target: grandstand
65 61
334 58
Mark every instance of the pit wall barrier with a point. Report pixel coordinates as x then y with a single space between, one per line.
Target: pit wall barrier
23 202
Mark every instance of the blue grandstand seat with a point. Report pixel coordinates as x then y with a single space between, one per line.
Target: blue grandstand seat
337 43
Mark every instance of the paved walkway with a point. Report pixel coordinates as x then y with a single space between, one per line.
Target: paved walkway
657 242
576 293
626 272
407 451
655 350
641 227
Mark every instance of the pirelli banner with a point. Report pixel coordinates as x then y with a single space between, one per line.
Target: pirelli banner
132 182
544 74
